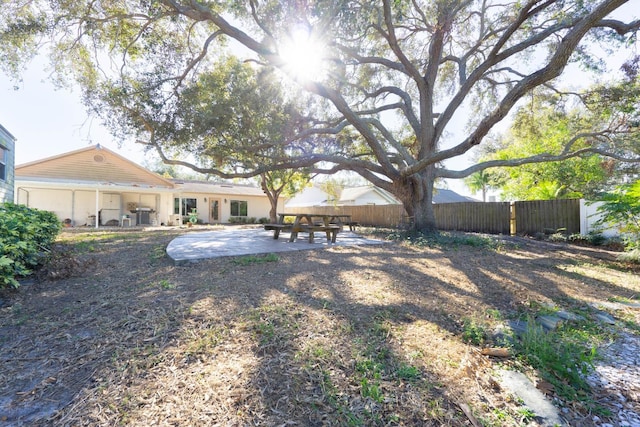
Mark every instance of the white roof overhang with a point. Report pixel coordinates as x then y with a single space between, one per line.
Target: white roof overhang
52 184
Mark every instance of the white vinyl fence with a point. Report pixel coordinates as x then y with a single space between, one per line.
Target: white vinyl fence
589 216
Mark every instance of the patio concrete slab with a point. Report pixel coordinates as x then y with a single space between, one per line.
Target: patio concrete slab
196 246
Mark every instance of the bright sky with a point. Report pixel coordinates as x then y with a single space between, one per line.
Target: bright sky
47 121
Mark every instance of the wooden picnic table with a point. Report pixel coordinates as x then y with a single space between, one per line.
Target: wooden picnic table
309 223
343 220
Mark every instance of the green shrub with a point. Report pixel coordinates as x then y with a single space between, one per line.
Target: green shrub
25 234
621 209
557 237
596 239
238 219
444 239
473 332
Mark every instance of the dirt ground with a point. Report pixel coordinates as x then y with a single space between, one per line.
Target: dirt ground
113 333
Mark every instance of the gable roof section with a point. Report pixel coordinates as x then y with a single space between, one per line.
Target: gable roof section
191 186
91 164
352 194
443 195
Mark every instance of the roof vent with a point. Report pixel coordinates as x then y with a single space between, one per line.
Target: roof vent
98 158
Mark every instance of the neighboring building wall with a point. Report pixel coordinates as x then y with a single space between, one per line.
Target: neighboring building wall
7 165
589 216
370 198
310 196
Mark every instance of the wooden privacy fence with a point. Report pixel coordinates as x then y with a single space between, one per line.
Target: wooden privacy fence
490 218
376 215
528 217
537 216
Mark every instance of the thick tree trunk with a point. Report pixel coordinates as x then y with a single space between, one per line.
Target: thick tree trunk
273 212
416 195
424 219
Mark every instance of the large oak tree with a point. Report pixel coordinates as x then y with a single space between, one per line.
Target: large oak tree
397 76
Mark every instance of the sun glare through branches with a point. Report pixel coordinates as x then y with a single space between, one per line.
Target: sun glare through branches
303 54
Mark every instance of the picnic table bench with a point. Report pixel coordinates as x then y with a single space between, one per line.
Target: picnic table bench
277 228
331 231
344 220
305 223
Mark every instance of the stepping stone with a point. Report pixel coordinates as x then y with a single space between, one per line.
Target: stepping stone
502 335
518 384
518 326
567 315
605 318
549 322
631 304
608 305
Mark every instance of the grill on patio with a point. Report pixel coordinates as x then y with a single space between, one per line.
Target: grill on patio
143 215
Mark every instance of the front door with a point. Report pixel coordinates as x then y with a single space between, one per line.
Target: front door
214 211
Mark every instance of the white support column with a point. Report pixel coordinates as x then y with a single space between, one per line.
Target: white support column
97 208
181 210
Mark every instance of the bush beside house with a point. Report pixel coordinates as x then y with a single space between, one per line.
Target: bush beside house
25 234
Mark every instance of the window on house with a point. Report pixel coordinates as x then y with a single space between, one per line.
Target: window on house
187 205
239 208
3 163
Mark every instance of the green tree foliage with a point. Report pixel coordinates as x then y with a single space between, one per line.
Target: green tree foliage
547 125
481 181
621 209
284 183
231 120
25 234
389 77
333 189
156 165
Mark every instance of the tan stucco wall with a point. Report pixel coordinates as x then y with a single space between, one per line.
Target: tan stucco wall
59 202
79 204
257 206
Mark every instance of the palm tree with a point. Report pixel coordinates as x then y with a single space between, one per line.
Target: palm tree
479 181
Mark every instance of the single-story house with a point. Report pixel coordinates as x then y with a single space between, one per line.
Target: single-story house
363 195
7 161
95 186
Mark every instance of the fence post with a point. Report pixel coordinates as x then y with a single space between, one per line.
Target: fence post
512 218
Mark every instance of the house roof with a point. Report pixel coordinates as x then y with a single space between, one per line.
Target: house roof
189 186
349 194
443 195
99 167
94 164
